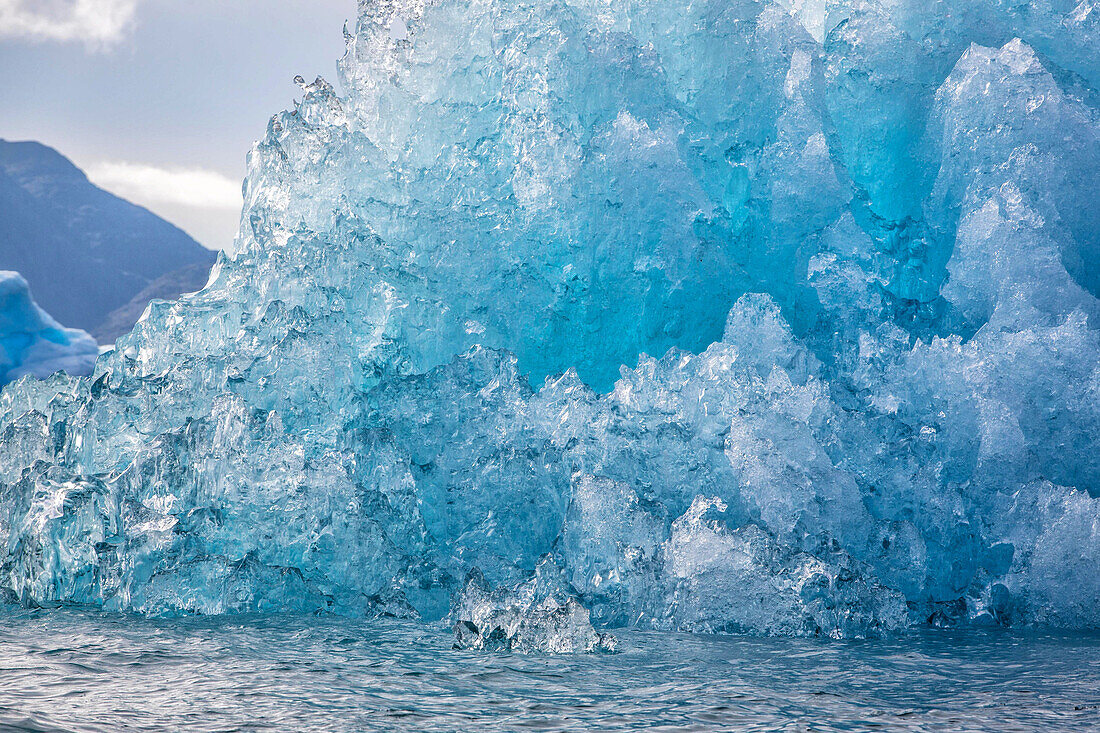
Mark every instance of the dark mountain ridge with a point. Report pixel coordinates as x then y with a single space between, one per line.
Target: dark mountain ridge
85 252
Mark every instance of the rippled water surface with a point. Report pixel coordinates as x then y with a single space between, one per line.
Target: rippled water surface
80 671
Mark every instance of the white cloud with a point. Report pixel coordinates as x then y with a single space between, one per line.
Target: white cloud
96 23
149 185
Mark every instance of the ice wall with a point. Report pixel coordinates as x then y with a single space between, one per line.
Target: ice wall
859 240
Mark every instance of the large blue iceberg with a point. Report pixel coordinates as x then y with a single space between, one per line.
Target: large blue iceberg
849 253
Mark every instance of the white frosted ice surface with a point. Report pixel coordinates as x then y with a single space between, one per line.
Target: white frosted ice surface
542 614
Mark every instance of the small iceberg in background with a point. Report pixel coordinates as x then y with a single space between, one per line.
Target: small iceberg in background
31 342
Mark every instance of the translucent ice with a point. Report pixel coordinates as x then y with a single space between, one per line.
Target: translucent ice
861 239
541 615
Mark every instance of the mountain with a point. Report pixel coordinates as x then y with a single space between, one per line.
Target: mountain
84 252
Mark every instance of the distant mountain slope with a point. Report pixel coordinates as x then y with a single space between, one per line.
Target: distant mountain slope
84 251
167 287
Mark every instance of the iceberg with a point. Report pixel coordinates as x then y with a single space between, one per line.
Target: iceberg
31 342
729 316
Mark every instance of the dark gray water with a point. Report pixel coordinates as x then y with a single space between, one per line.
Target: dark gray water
71 670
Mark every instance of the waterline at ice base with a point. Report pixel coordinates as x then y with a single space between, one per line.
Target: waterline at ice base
773 318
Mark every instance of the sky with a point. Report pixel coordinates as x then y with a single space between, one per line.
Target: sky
159 101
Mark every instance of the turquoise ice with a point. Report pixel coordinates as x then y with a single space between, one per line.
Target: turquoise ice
744 316
31 342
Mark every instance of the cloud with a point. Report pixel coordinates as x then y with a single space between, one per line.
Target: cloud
96 23
149 185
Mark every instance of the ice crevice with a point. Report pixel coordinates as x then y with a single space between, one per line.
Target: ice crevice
846 251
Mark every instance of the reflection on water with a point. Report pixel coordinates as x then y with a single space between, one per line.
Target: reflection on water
67 670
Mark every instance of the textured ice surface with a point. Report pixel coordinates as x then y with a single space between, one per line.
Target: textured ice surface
31 342
542 614
847 252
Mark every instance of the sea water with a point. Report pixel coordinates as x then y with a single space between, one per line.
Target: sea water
78 670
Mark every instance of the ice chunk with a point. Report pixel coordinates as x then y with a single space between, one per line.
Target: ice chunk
540 615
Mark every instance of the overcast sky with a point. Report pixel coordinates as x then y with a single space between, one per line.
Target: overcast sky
160 100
